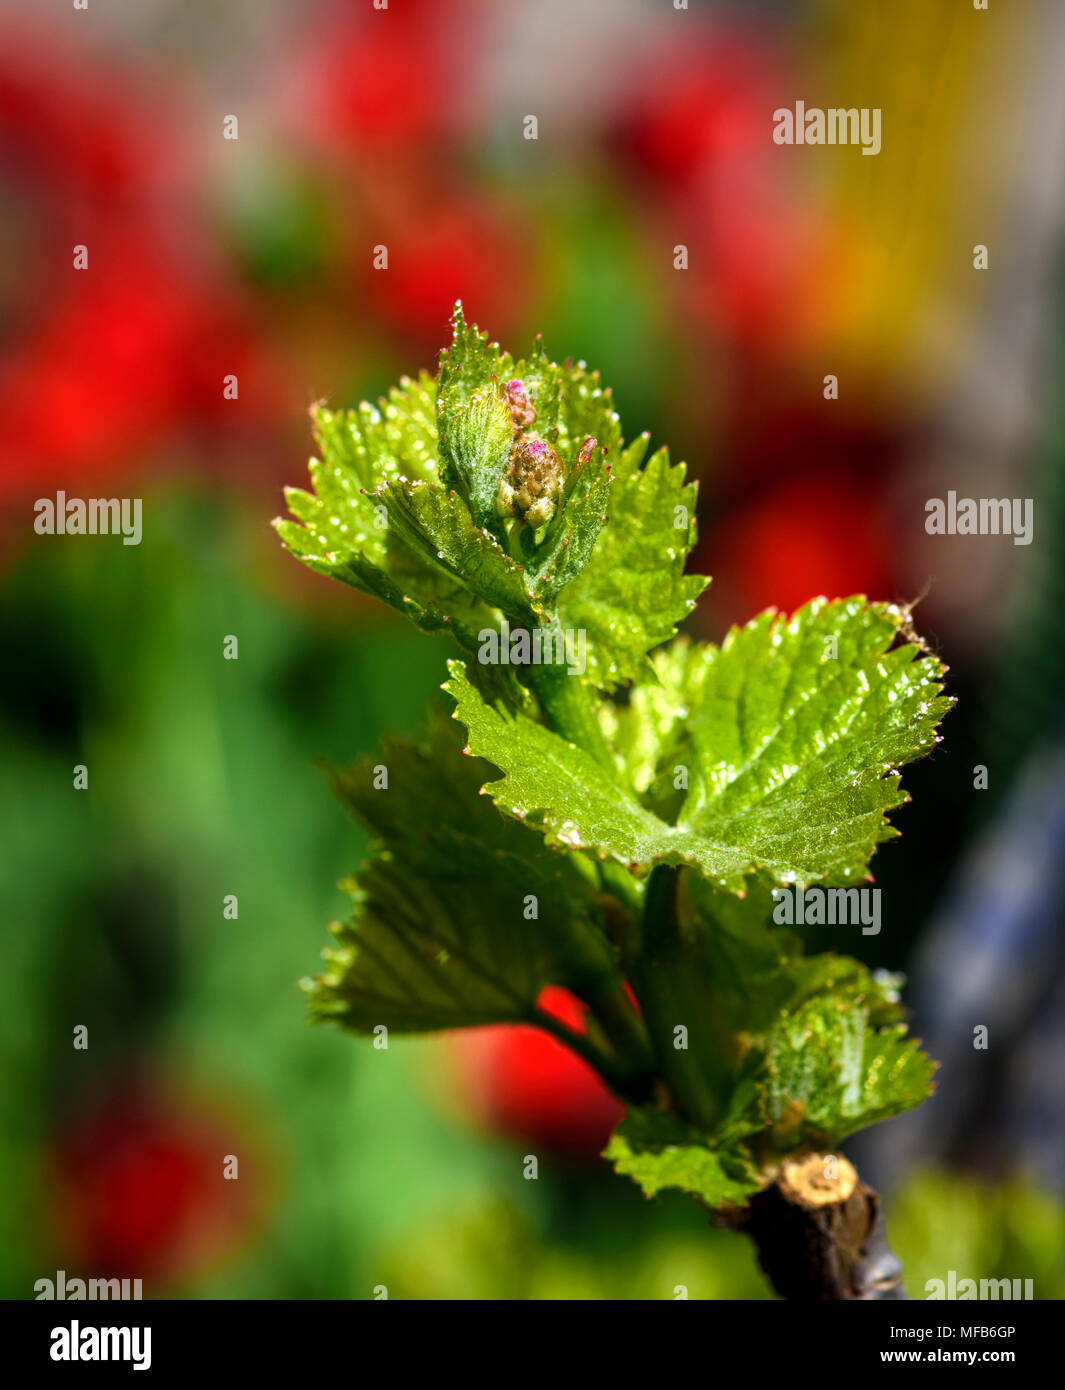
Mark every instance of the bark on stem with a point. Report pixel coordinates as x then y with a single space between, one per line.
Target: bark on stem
820 1234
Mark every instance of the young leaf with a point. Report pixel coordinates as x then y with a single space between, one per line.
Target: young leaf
436 527
488 489
467 366
477 444
787 753
343 531
827 1073
633 592
572 538
659 1151
395 438
586 411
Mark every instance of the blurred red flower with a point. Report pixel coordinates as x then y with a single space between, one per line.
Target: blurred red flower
700 139
525 1084
820 533
139 1190
380 106
366 80
454 248
112 361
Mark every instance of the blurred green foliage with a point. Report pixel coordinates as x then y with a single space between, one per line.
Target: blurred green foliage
1009 1230
201 783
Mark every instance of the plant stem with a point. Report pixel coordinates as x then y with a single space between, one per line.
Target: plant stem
661 929
569 708
669 984
820 1235
626 1032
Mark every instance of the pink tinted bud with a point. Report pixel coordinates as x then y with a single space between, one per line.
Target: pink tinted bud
522 411
532 483
587 450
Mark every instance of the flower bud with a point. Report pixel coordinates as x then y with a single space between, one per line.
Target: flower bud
522 411
532 484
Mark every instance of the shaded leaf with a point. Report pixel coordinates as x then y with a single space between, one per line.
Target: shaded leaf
441 936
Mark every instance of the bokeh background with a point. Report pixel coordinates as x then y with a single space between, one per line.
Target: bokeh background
360 127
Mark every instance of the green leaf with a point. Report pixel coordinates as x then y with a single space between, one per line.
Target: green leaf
473 424
785 752
477 442
755 971
827 1073
341 530
395 438
572 537
441 936
548 777
648 733
586 410
437 528
823 1073
336 527
468 364
659 1151
633 591
407 504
